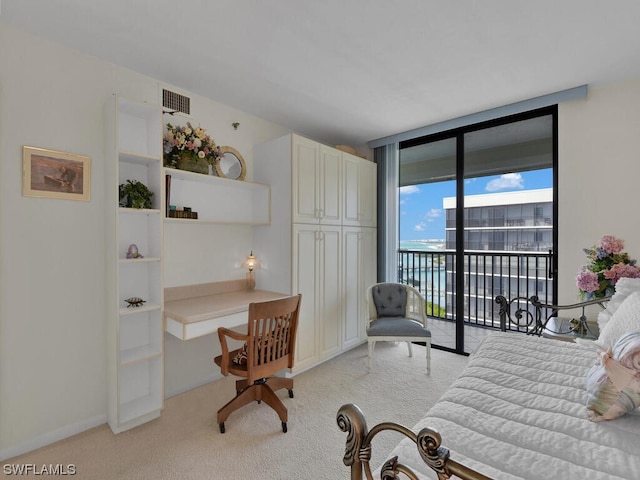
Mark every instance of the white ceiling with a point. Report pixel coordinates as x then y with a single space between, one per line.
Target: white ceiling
351 71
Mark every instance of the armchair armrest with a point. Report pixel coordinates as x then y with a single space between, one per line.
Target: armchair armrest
223 333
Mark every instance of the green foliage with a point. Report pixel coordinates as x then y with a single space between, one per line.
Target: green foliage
135 194
435 310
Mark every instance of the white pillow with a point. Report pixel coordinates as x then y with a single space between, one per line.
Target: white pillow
626 318
613 383
624 288
604 316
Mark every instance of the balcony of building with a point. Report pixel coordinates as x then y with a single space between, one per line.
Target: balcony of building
486 274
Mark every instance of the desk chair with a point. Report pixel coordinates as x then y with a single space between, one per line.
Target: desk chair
397 314
269 348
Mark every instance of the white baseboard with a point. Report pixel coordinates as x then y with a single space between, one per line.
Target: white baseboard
51 437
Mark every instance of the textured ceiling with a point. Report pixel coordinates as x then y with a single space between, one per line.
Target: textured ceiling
350 71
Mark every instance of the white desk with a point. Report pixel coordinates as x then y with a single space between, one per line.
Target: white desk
194 310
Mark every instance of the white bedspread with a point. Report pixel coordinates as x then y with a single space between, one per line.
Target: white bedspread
518 412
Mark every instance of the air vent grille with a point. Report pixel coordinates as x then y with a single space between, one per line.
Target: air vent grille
176 102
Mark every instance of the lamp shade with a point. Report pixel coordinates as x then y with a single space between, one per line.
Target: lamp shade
251 262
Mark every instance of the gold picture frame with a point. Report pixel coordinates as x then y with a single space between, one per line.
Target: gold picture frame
231 164
52 174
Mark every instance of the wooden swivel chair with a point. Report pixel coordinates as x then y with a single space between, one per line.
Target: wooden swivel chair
397 314
269 348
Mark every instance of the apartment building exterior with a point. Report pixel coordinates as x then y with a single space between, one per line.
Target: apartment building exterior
507 239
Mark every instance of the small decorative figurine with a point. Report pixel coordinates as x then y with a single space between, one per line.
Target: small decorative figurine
133 251
134 301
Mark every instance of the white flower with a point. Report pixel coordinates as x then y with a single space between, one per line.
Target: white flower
200 154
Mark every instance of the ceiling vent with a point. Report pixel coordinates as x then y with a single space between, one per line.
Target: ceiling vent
176 102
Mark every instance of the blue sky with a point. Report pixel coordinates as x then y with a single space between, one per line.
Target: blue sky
421 212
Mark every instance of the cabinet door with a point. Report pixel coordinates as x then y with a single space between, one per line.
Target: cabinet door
330 188
359 272
330 290
304 281
351 179
304 178
351 267
367 196
368 273
359 191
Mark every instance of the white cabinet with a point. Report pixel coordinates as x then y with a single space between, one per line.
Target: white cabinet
218 200
317 276
359 271
359 187
316 187
309 246
135 333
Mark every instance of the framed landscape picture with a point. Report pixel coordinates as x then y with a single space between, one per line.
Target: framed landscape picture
47 173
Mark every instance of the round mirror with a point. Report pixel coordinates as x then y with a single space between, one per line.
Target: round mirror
231 164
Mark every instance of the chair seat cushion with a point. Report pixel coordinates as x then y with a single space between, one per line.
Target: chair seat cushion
396 326
233 365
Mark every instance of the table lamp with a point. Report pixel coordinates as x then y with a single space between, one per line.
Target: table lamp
251 263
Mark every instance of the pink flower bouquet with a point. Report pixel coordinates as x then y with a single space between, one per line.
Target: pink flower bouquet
608 264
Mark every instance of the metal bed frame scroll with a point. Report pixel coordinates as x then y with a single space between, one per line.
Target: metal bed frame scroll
428 442
536 321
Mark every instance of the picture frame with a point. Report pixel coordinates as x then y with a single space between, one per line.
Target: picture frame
53 174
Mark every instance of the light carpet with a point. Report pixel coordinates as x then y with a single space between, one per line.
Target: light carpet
185 443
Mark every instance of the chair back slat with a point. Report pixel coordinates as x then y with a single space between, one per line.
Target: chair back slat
272 328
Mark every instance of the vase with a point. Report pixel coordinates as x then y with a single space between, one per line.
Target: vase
192 163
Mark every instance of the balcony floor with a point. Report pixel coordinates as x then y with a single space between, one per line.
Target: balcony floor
443 333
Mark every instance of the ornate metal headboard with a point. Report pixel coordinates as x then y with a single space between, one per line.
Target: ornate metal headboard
536 318
428 442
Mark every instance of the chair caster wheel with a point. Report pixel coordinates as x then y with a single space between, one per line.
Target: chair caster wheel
222 430
290 393
284 427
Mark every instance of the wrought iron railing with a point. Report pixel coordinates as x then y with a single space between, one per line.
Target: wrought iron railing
487 274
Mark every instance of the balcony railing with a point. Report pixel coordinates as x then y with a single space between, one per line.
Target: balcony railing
486 275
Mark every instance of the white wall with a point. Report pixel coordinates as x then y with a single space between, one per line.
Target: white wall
599 171
52 320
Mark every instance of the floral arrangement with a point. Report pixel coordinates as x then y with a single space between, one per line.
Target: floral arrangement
193 142
608 264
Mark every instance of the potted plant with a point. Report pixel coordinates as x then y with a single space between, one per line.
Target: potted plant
135 194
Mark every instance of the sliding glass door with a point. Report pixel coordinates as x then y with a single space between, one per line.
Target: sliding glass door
481 198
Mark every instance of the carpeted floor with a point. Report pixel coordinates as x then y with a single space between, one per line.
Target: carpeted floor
185 443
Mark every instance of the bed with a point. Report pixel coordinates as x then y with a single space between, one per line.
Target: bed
518 411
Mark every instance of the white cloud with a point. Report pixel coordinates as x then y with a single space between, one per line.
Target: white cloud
409 189
419 227
432 214
506 182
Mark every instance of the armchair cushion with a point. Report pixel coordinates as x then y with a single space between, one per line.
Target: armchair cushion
397 327
390 300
